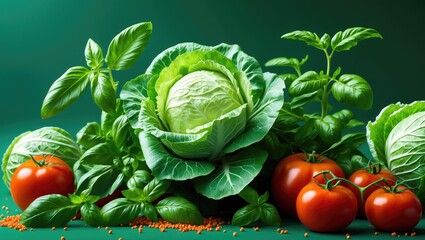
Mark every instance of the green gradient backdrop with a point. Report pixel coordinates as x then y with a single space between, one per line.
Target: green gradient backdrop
40 39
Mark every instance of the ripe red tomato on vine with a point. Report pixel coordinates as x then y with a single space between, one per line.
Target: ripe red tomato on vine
293 173
365 177
41 175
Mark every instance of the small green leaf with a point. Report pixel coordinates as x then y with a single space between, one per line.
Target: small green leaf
344 116
269 215
349 38
52 210
305 132
102 180
349 140
94 55
329 129
353 90
75 199
128 45
249 195
103 92
263 198
92 215
179 210
336 73
309 38
90 135
284 62
134 194
120 211
139 179
309 82
359 162
149 211
325 40
101 154
120 130
65 91
246 215
155 189
302 100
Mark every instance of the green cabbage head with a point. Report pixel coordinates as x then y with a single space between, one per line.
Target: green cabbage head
397 139
199 111
47 140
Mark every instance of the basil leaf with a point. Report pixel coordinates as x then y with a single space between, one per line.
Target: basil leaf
101 154
350 140
155 189
325 40
269 215
301 101
52 210
65 91
149 211
103 92
127 46
349 38
305 36
93 54
329 129
344 116
139 179
120 211
92 215
305 132
289 115
90 135
353 90
75 199
246 215
134 194
263 198
179 210
307 83
101 180
119 130
249 195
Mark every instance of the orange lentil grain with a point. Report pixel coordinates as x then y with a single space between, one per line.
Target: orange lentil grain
285 231
62 238
242 229
348 236
413 234
305 234
235 234
53 228
376 233
110 232
224 231
13 223
393 234
65 228
120 238
106 228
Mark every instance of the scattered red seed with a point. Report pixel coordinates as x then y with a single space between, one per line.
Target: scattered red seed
413 234
242 229
110 232
235 234
305 234
393 234
13 223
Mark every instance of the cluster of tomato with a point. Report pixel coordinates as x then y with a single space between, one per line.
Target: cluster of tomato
314 189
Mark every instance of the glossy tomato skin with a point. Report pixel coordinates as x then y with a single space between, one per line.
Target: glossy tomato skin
323 210
293 173
363 178
393 212
30 181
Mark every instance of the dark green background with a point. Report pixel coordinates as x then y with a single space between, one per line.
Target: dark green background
39 40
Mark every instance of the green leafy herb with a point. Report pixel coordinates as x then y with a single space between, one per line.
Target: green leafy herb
179 210
322 131
53 210
257 209
122 53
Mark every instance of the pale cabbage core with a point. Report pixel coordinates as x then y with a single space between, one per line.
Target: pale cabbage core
199 98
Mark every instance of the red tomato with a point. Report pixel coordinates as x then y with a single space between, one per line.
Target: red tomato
392 211
293 173
363 178
45 174
326 210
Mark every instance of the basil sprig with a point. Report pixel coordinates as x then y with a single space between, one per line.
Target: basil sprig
122 53
257 209
323 131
